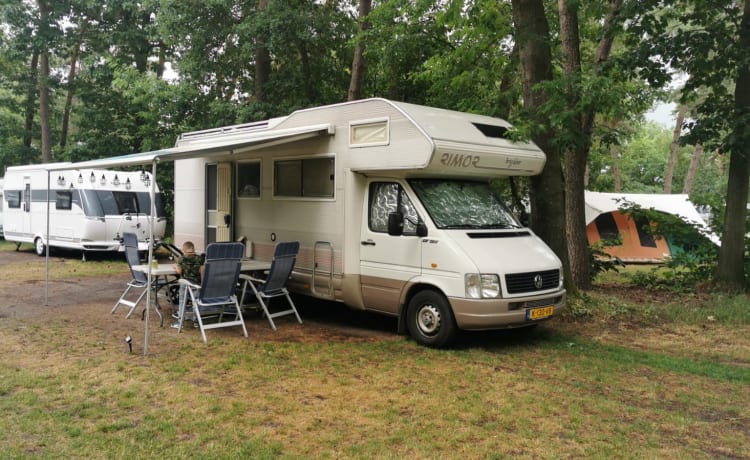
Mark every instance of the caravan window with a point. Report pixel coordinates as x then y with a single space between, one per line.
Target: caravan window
311 177
14 198
63 200
248 179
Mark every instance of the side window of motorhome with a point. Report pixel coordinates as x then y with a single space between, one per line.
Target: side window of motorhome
248 179
14 198
63 200
388 197
310 178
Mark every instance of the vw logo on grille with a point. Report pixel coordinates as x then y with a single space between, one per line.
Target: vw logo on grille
538 282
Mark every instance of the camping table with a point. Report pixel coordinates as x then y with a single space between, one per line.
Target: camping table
167 270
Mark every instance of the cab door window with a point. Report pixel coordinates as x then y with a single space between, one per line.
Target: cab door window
388 197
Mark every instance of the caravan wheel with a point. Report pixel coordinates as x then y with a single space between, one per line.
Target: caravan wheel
39 247
430 319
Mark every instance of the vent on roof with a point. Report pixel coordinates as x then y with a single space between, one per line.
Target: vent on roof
492 130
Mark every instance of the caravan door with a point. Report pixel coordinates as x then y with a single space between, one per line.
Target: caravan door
387 263
26 228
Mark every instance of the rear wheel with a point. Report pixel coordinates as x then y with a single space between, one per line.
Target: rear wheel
430 319
39 247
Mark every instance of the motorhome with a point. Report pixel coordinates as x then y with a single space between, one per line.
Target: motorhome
392 205
89 210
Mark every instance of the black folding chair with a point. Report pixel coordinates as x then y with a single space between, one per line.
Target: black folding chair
285 256
139 281
216 297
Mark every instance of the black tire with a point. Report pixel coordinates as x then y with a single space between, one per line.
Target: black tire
430 320
39 247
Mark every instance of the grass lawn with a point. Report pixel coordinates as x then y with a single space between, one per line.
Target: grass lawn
624 376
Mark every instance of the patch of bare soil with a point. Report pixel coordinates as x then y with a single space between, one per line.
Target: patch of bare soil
88 300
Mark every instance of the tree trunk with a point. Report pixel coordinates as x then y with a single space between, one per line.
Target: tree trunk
613 154
674 149
547 190
359 66
730 271
44 108
69 96
695 161
575 158
262 61
33 87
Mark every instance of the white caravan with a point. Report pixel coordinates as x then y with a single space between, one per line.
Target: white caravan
89 209
392 205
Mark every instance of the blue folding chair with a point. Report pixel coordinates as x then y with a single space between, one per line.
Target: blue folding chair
285 256
215 298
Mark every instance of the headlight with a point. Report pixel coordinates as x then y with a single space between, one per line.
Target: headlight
480 286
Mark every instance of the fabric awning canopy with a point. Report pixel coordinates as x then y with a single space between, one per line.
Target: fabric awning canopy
200 146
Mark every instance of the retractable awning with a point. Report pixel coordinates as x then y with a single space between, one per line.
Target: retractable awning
200 144
203 147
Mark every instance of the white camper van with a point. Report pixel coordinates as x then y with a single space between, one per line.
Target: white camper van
89 209
392 206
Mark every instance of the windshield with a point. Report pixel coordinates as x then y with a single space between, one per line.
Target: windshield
463 204
100 203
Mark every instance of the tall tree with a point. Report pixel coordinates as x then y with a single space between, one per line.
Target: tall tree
673 149
547 189
44 43
262 59
695 161
730 271
359 65
582 125
709 40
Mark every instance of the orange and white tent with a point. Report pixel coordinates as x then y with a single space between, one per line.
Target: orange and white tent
605 221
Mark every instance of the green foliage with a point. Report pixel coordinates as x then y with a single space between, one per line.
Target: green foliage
601 262
693 258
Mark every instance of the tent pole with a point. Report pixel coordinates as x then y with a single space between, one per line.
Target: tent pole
152 195
46 256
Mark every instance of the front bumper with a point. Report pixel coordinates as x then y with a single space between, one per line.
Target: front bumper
482 314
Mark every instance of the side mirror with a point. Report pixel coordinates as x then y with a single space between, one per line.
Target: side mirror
395 224
421 229
524 218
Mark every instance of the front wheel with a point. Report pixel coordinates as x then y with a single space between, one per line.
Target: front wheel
430 319
39 247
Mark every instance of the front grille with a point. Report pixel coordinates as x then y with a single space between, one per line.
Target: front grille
518 283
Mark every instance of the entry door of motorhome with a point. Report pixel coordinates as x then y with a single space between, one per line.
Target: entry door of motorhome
387 262
218 202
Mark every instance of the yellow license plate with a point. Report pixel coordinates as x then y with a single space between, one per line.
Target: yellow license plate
539 313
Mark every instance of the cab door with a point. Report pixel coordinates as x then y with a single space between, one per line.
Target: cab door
387 263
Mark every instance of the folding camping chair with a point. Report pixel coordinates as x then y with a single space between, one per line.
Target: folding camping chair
274 285
140 279
216 296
